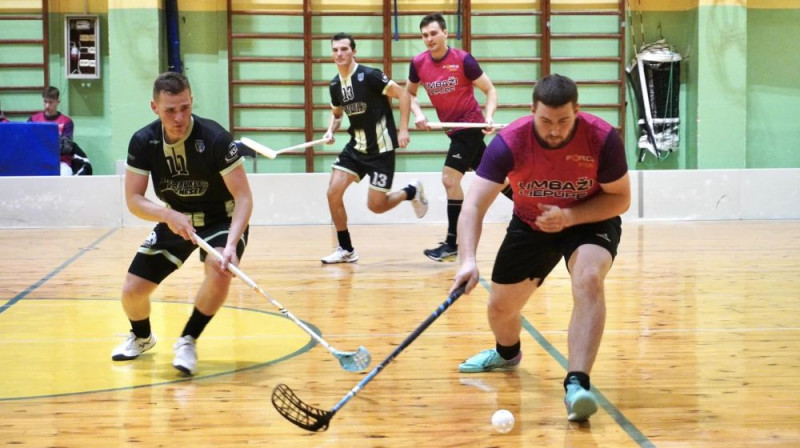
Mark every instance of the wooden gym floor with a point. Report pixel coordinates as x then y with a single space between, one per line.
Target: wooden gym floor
701 349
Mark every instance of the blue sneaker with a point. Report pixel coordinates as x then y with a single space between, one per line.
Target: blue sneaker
489 360
580 402
445 252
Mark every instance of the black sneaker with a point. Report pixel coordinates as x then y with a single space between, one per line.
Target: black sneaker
445 252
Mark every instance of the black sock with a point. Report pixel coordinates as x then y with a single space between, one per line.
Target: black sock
197 323
344 240
582 377
507 192
141 328
453 210
508 352
411 191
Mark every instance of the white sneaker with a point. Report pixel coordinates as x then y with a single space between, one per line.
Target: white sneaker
341 256
419 201
185 355
133 347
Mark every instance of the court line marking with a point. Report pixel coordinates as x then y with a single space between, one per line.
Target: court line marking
55 271
177 379
311 344
626 425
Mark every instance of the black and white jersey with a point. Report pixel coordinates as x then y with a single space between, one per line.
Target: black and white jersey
362 97
187 175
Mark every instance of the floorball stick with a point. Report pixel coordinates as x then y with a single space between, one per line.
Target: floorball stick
446 124
292 408
270 153
351 361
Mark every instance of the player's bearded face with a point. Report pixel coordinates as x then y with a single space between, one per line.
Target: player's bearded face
554 125
175 112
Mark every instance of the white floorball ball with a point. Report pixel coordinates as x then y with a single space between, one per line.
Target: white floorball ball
503 421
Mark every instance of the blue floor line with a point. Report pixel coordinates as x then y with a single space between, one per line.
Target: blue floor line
612 410
55 271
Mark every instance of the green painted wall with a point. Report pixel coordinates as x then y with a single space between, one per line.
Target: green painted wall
773 88
722 87
136 58
204 53
740 95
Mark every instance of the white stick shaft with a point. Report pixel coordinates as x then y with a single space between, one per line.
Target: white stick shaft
238 272
272 153
302 145
447 124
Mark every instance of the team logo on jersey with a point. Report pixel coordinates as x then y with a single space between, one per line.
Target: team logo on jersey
583 161
451 67
199 146
441 86
233 150
360 77
151 240
555 188
579 158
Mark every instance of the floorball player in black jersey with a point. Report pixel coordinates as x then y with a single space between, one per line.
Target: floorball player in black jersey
363 93
197 172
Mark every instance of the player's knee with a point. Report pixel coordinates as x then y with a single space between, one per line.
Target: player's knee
335 195
588 283
217 281
503 306
136 289
134 296
377 206
452 180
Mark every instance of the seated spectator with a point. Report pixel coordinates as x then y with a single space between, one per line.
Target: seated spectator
66 127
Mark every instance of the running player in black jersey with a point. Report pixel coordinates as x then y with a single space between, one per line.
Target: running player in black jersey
363 94
197 172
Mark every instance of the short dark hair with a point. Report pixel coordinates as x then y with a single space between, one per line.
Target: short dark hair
433 17
51 93
342 36
172 83
555 90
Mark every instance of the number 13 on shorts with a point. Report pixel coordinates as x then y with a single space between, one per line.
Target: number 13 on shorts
378 179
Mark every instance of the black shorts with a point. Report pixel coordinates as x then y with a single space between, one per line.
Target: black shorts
466 150
527 253
379 167
163 251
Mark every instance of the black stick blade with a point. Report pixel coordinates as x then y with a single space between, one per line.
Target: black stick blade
296 411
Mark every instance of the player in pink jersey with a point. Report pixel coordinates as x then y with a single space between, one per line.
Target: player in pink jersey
570 181
449 77
50 114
